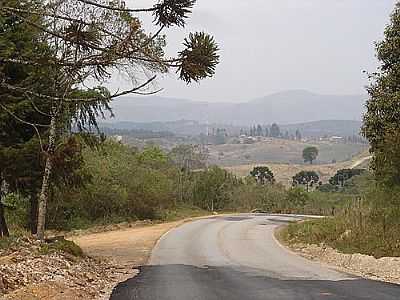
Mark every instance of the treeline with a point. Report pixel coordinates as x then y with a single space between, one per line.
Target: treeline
113 182
136 133
270 131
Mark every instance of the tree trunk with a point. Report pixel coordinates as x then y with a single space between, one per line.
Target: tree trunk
44 194
33 214
3 225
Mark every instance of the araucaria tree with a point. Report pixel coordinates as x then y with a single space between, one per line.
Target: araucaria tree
86 43
262 175
382 119
306 178
310 154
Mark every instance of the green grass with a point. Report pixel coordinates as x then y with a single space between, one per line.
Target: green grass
16 238
6 242
61 245
347 237
183 212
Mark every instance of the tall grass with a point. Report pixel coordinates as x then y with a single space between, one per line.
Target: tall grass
368 224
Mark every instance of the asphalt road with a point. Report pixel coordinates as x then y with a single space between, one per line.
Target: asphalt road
237 258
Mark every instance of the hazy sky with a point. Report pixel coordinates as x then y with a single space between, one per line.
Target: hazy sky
269 46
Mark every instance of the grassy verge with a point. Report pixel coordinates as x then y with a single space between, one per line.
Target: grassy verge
346 237
185 212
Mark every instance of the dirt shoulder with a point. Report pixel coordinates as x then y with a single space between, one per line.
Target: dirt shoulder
110 258
125 247
385 269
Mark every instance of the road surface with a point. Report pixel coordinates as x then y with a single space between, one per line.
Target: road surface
238 258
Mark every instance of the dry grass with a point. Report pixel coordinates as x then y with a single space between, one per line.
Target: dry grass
281 151
284 172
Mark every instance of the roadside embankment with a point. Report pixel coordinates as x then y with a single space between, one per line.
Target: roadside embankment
385 269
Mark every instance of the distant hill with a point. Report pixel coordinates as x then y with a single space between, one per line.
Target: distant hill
327 127
284 108
181 127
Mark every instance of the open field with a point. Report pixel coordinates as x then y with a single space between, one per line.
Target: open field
281 151
284 172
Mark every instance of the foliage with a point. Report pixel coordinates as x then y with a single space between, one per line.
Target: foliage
275 131
61 245
18 141
212 188
250 196
382 119
199 59
262 175
344 175
327 188
310 154
365 223
297 198
187 157
307 178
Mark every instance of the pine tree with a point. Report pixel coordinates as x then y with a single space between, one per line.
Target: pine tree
18 135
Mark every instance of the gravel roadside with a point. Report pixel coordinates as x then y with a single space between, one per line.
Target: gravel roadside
386 269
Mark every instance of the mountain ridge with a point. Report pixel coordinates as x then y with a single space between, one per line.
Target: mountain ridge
293 106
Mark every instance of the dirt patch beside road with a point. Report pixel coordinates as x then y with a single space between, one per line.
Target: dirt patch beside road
127 247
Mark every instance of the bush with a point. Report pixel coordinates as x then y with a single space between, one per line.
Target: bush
61 245
367 225
124 185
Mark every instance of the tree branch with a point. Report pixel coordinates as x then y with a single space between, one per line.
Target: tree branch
118 8
135 90
35 126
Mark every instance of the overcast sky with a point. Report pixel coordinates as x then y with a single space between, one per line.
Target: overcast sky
269 46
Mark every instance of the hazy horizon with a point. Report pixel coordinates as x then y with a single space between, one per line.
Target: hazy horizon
239 101
278 45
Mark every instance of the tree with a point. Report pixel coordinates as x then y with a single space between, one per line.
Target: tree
286 135
310 154
259 130
298 135
275 131
3 224
344 175
382 119
262 175
82 47
18 136
220 136
307 178
296 198
267 134
212 188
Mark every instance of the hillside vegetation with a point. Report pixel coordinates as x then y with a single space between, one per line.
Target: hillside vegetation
120 183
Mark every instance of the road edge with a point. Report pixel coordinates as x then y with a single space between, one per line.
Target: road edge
362 273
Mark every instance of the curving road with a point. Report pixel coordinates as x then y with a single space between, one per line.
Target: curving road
237 258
